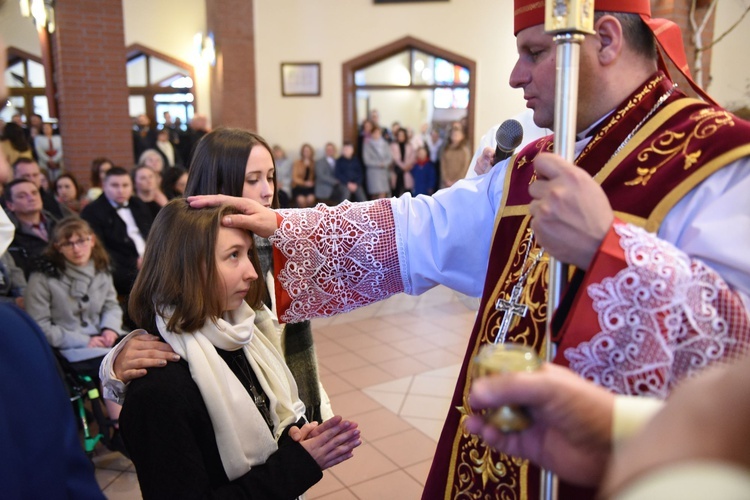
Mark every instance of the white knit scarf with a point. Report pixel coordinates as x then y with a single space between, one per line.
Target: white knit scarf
242 434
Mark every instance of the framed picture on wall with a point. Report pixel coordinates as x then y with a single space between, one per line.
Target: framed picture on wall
300 79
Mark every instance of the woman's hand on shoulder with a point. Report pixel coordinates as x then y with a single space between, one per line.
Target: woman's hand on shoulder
141 352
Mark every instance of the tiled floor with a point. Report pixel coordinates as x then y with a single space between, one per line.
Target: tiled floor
391 367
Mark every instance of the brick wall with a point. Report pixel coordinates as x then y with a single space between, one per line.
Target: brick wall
679 12
89 60
233 89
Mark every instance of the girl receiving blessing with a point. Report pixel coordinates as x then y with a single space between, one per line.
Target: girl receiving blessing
226 420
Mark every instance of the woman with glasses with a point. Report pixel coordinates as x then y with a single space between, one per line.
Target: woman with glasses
72 297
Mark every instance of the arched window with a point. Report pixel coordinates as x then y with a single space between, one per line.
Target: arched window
159 83
24 77
411 82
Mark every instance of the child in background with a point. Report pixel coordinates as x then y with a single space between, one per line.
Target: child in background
227 417
349 171
424 173
72 297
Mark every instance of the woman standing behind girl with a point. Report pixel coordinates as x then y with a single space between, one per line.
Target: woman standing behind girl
226 420
303 177
238 163
73 299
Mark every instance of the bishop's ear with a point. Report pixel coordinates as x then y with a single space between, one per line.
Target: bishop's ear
609 37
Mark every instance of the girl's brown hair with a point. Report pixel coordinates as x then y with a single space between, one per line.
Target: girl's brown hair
179 269
66 229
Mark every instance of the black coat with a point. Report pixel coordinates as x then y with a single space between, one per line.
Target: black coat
113 234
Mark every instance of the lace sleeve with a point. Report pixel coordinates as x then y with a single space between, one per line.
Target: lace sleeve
330 260
661 317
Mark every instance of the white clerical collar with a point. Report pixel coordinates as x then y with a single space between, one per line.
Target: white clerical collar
589 131
118 206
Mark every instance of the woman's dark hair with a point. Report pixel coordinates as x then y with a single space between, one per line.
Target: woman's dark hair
179 269
96 165
219 162
64 230
169 178
72 178
218 167
15 134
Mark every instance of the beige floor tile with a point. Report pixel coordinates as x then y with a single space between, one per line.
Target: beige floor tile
367 463
425 406
334 384
430 427
359 341
327 485
445 338
378 353
419 471
111 460
394 334
437 358
372 325
403 366
365 376
343 361
390 400
125 487
449 372
400 385
345 494
104 477
328 347
380 423
406 448
425 385
352 403
413 346
396 485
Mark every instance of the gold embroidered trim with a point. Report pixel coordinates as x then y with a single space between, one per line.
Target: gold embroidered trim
665 205
670 144
619 115
647 130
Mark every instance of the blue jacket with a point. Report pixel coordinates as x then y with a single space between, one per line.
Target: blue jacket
42 456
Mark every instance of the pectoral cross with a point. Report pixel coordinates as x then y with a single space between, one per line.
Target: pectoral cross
510 308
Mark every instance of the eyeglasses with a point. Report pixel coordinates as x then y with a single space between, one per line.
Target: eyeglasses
73 244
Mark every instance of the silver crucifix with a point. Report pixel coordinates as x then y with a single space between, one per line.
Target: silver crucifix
510 308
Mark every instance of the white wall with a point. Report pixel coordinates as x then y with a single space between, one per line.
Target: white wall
18 31
730 66
168 26
334 31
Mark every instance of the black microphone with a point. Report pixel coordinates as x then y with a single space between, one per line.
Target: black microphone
508 136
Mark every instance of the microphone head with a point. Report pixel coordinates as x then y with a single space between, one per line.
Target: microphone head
509 135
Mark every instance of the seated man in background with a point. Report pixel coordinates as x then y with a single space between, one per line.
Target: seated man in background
33 224
349 171
29 170
122 222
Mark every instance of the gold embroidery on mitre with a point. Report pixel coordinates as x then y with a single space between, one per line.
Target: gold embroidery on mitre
669 144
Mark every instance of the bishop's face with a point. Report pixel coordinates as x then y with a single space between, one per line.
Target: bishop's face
534 73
